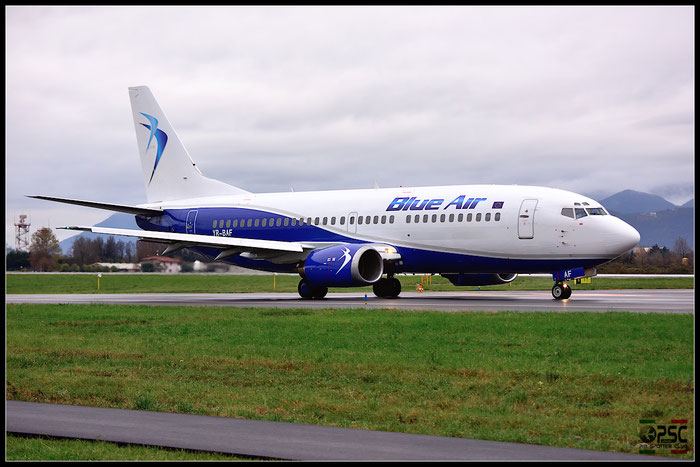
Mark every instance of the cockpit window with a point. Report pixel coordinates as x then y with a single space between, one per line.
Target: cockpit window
596 211
580 212
568 212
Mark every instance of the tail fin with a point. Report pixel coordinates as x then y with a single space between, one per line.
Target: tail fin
168 169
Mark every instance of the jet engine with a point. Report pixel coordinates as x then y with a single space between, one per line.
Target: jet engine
463 279
343 266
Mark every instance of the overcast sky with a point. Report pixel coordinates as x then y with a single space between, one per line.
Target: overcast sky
589 99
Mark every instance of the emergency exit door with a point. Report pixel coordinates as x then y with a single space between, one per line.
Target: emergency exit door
526 219
191 222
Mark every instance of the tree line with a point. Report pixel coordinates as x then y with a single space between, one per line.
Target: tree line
45 253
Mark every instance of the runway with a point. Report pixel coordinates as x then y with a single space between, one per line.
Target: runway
678 301
271 440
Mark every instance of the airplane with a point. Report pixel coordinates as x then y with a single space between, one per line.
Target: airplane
473 235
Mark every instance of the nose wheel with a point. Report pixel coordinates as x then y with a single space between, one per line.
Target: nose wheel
561 291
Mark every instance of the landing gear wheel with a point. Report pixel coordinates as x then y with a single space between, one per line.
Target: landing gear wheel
320 292
561 291
387 288
305 290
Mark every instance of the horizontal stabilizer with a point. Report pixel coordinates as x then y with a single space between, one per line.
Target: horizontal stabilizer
107 206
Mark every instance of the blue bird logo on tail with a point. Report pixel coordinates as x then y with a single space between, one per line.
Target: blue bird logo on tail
161 139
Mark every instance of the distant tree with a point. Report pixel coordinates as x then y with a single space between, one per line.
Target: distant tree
85 251
681 248
44 250
146 249
16 260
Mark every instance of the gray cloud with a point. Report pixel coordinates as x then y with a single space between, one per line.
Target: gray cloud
590 99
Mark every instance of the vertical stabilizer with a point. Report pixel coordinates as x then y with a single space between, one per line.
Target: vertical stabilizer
168 170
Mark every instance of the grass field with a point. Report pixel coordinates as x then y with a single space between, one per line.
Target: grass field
581 380
228 283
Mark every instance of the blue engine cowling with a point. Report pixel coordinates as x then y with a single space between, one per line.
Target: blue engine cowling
348 265
479 279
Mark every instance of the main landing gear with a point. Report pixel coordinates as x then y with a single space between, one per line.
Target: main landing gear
561 291
307 291
387 288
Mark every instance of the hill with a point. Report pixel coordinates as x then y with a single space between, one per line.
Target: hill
630 201
663 227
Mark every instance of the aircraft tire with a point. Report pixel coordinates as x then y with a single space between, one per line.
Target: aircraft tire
561 291
305 290
319 292
387 288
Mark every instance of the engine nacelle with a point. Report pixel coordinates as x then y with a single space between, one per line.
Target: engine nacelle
348 265
463 279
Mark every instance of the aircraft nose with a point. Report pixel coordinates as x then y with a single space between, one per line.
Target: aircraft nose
629 237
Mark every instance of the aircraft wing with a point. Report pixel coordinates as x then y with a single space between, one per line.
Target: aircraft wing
229 246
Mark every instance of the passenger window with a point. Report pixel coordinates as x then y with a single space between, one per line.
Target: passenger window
257 222
442 218
235 223
352 220
333 220
342 220
249 223
478 217
221 224
497 217
460 217
391 219
359 220
368 220
434 217
325 221
228 223
383 219
213 226
308 221
408 219
294 222
567 212
452 217
580 212
286 221
376 219
417 219
264 222
469 217
278 222
425 218
487 217
317 221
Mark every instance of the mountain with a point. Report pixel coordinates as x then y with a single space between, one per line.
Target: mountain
689 204
116 221
630 201
663 227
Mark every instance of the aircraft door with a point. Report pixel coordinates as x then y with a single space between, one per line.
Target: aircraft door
352 222
526 219
191 220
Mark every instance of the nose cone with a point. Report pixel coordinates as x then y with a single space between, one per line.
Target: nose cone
628 236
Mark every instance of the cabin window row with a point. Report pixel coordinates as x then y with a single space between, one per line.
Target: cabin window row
416 219
286 222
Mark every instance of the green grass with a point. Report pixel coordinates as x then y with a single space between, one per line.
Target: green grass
192 283
581 380
19 448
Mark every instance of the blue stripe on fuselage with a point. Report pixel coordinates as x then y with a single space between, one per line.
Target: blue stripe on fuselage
412 259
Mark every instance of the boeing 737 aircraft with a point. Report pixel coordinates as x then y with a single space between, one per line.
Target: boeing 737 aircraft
470 234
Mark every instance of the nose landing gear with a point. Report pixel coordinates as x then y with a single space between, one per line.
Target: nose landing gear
561 291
